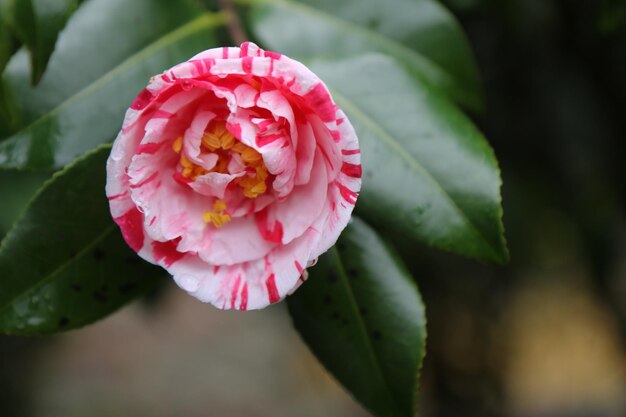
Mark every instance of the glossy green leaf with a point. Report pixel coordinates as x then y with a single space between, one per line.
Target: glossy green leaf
8 46
8 43
37 23
17 188
362 315
64 263
421 34
104 58
428 172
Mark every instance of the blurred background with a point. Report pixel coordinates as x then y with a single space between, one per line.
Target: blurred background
544 336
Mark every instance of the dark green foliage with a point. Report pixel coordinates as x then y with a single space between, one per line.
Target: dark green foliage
362 316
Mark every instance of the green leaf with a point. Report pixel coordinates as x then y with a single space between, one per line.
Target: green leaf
362 315
64 263
104 58
421 34
37 23
8 44
428 172
17 188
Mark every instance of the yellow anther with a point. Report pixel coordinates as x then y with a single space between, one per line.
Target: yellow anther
211 141
217 219
249 155
228 141
177 145
198 170
184 162
239 147
255 191
219 205
259 188
261 172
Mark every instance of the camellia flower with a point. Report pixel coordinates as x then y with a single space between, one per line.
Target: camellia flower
234 171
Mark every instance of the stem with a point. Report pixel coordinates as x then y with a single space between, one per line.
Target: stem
235 28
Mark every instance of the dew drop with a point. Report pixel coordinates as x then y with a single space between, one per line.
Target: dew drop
186 85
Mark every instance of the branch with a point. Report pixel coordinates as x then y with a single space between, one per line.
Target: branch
235 28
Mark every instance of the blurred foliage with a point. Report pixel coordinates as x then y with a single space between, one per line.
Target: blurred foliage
555 94
36 24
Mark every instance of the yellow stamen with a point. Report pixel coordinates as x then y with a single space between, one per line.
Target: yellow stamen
228 141
250 156
239 147
261 172
219 205
177 145
259 188
217 217
211 141
219 141
184 162
198 170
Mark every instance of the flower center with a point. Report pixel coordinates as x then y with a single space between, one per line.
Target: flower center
217 140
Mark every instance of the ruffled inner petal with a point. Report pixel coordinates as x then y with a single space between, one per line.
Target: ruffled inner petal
214 184
297 212
235 242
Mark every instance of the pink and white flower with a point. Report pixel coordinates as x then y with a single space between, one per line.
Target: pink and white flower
234 171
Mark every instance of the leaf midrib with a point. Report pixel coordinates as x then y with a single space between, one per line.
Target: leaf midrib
362 328
407 156
39 283
203 21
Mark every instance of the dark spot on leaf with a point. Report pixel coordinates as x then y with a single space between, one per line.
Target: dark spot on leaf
353 273
341 246
376 335
332 276
368 174
76 287
100 296
327 299
363 311
72 255
126 288
63 321
98 254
